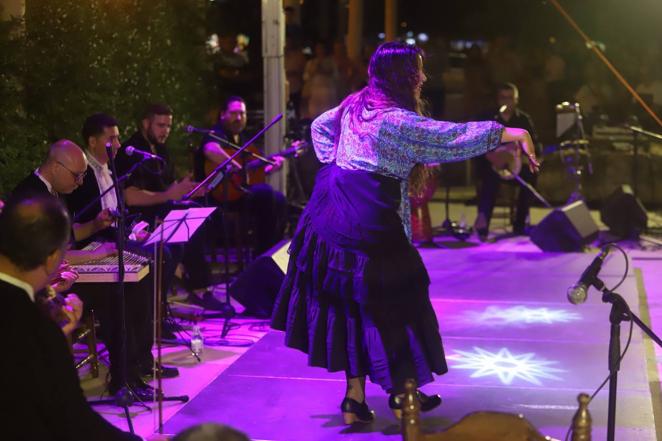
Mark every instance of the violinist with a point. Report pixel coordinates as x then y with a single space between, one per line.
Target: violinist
266 207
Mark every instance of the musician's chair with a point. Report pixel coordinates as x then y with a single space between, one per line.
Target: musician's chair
234 241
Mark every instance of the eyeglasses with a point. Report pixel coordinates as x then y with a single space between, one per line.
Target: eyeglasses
78 177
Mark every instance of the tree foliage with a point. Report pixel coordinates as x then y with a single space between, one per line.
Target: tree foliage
67 59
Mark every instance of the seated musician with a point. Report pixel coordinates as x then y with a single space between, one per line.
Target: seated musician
67 310
509 115
99 130
267 208
47 402
61 173
152 191
64 170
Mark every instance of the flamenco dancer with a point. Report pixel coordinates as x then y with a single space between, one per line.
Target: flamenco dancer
355 297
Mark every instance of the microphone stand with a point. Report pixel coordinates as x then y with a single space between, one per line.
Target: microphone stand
125 397
209 183
620 311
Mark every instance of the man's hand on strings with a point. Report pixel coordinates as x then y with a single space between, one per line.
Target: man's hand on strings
104 219
64 280
278 160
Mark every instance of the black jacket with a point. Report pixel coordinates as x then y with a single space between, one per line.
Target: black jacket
45 401
30 186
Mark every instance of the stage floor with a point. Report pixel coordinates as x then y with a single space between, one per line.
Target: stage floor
513 344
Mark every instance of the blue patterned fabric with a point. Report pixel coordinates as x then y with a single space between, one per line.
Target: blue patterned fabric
391 142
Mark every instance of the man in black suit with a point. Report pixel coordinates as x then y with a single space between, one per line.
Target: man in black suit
46 401
63 171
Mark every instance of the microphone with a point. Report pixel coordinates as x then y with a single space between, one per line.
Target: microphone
130 150
578 292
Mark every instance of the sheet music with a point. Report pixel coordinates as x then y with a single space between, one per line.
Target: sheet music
179 225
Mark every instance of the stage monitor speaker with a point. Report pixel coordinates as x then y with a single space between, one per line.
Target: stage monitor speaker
256 288
568 228
624 214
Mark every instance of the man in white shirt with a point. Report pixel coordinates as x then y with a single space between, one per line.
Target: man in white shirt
98 131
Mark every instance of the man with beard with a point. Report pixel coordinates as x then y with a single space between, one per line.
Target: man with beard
267 208
152 191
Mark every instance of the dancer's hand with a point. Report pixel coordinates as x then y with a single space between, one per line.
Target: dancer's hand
512 134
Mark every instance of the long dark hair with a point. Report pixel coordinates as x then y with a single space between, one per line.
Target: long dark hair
393 75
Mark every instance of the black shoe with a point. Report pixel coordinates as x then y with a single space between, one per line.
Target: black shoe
143 391
355 412
139 391
482 234
428 402
165 371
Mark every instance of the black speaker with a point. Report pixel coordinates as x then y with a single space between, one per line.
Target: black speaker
624 214
256 288
568 228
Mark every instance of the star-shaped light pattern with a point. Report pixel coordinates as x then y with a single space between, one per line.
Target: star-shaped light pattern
505 365
495 315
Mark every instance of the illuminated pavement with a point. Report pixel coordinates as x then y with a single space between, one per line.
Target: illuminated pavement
513 344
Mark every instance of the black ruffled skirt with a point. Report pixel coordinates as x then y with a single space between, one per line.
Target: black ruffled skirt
355 296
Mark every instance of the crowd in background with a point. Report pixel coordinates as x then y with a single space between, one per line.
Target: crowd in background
462 76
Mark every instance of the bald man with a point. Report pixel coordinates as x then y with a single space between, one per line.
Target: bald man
65 170
61 173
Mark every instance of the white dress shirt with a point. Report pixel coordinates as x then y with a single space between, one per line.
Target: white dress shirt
104 181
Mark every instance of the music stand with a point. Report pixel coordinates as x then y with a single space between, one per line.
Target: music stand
177 228
179 225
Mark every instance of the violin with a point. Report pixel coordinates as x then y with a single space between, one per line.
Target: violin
233 187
